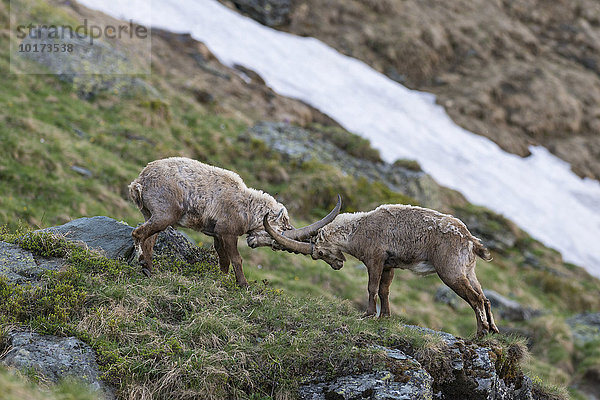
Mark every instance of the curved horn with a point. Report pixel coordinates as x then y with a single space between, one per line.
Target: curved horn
312 229
287 243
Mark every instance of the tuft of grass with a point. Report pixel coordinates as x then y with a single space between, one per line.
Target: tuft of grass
411 165
351 143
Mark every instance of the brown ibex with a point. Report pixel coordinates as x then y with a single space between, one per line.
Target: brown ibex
180 191
401 236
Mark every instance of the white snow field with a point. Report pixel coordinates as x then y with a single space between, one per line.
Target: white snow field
539 192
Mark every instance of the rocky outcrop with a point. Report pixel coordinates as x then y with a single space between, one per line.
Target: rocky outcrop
109 237
408 381
303 145
55 358
458 369
464 370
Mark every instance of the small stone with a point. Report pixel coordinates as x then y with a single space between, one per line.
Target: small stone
82 171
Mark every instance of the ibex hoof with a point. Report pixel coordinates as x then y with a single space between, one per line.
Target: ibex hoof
147 272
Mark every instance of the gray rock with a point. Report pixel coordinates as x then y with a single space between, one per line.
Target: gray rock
504 307
113 239
585 327
177 246
16 264
21 266
107 235
302 145
414 383
468 371
55 358
267 12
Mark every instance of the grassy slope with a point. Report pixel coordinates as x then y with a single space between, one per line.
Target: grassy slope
190 331
39 189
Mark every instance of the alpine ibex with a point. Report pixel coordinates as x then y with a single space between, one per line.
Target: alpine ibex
401 236
215 201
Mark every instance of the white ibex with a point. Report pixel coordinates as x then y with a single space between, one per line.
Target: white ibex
401 236
215 201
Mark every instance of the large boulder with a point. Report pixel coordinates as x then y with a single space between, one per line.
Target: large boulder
21 266
55 358
177 246
112 238
466 370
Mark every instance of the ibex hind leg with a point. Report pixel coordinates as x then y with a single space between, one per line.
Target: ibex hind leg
146 236
137 243
375 270
488 308
456 279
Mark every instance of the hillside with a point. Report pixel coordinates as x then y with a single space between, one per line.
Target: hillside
189 332
65 155
517 72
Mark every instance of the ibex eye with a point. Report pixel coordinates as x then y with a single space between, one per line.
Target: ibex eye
320 253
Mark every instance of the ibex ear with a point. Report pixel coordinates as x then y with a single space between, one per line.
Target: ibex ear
279 215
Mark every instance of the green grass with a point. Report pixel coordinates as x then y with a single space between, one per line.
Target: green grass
193 331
